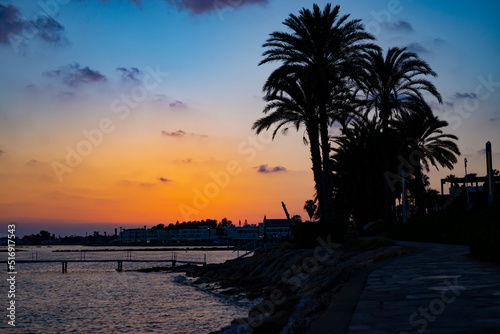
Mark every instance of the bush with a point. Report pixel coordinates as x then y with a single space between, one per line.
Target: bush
486 244
306 234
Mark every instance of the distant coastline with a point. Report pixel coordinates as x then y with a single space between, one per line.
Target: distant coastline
152 249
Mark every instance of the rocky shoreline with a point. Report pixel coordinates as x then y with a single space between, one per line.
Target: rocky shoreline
293 286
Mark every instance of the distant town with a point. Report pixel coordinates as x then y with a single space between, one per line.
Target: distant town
204 232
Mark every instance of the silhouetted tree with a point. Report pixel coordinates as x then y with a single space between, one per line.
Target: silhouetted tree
392 85
426 145
310 206
318 54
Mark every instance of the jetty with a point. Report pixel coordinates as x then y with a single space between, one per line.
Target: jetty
173 259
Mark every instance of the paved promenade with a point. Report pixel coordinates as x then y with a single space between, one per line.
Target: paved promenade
435 290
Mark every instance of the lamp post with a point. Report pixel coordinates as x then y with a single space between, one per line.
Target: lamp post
466 187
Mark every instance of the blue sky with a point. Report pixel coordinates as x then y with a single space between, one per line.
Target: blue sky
88 53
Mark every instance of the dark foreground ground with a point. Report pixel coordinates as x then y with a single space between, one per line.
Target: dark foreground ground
293 287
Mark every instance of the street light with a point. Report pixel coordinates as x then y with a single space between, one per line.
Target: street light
466 187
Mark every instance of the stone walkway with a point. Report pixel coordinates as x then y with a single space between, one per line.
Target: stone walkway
437 289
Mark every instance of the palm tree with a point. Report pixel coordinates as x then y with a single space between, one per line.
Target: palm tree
310 207
290 102
321 49
391 85
426 144
358 167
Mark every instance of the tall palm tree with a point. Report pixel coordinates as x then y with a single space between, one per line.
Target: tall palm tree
322 48
392 85
426 144
290 102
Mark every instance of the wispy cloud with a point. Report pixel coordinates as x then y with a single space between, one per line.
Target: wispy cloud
181 134
129 183
178 105
178 133
481 152
129 74
164 180
459 96
32 163
417 48
398 26
438 41
74 75
184 161
205 6
266 169
1 152
43 27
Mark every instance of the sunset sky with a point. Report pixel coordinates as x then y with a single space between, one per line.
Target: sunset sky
132 113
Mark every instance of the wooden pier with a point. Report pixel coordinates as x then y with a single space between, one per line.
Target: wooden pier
173 261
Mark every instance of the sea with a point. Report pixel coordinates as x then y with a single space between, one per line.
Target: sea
96 298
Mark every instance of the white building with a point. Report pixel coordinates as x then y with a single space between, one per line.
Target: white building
142 235
275 228
200 234
243 234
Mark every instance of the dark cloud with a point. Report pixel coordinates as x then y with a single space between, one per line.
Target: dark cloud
178 105
10 23
164 180
1 152
43 27
178 133
49 30
417 48
129 74
398 26
266 169
494 119
73 75
481 152
205 6
465 96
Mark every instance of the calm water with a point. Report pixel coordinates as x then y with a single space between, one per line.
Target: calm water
95 298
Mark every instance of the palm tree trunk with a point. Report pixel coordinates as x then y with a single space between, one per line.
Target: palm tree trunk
419 189
314 146
388 215
329 216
